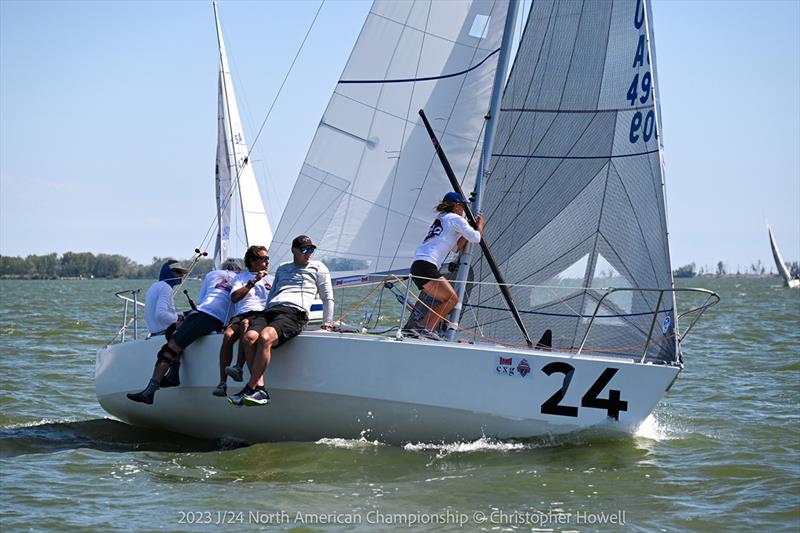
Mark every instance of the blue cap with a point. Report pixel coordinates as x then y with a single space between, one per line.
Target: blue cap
454 197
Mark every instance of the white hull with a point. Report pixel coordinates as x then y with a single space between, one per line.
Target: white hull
349 385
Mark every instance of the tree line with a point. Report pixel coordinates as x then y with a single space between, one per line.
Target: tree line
85 265
755 269
89 265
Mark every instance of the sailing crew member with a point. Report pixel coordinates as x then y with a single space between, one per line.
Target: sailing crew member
295 286
159 303
249 298
449 231
211 314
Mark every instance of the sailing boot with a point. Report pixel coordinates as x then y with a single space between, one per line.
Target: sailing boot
147 395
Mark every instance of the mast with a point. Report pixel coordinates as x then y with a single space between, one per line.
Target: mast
486 154
257 229
222 175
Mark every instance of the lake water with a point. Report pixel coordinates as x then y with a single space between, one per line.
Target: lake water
721 452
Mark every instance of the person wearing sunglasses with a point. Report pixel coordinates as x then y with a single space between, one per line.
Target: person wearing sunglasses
249 298
293 291
450 231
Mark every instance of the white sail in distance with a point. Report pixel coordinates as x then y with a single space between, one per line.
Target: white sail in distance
370 180
254 217
575 200
788 281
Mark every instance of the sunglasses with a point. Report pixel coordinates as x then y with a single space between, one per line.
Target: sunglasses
307 249
264 258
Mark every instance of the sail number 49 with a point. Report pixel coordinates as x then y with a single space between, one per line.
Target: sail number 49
613 404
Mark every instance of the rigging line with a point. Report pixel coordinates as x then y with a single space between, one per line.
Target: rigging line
571 315
590 111
609 156
426 78
288 73
235 180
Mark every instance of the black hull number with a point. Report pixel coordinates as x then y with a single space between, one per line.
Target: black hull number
613 404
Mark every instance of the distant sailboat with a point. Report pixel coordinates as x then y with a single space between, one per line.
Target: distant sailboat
788 280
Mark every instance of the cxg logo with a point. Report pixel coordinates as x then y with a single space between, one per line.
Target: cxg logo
507 367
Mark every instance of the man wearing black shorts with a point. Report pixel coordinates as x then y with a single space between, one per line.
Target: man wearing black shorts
249 298
295 286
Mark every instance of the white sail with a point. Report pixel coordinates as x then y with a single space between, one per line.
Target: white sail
788 281
256 225
367 188
575 196
223 184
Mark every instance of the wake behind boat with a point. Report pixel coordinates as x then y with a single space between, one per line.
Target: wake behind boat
570 181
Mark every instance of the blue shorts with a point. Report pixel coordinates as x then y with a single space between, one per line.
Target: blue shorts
194 326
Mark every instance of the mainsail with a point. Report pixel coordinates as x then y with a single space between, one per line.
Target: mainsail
575 199
232 158
369 183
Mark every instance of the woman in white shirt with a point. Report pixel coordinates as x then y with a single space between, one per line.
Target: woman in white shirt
450 231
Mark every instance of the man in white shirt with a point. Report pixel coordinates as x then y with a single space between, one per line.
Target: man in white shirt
295 286
211 314
159 304
249 298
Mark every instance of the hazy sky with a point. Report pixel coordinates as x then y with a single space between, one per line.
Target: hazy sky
108 119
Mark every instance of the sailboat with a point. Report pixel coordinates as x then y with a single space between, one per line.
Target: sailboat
788 280
564 155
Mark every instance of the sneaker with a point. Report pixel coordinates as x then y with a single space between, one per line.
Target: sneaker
427 334
220 390
236 399
258 397
234 372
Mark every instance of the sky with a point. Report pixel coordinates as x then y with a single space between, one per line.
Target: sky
108 119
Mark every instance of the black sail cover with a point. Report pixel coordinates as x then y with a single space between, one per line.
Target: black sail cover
575 200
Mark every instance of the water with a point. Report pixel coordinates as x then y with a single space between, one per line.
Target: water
721 452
